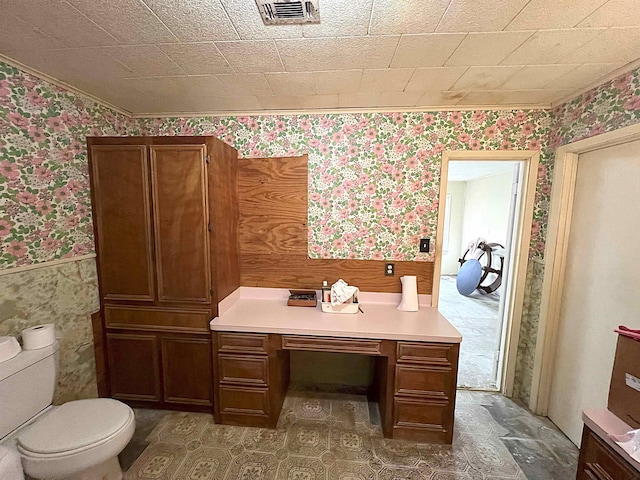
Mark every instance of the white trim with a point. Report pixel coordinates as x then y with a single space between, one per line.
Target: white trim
59 83
562 192
52 263
522 236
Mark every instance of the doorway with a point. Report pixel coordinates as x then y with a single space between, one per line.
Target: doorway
489 323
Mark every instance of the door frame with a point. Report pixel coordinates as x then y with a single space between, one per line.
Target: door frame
521 240
555 254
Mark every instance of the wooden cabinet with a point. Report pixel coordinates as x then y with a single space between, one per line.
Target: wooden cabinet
165 220
598 461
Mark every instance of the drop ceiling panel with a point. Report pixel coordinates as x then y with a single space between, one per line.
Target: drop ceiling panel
295 83
340 19
246 20
619 44
194 20
358 100
198 58
140 25
344 53
435 98
245 84
399 99
298 102
484 78
406 16
551 46
426 50
554 14
475 16
252 56
201 86
533 77
387 79
18 35
513 97
614 13
583 75
338 81
145 60
434 78
486 48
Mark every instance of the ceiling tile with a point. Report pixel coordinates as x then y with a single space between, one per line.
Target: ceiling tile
232 103
17 35
550 46
484 78
399 99
343 53
145 60
486 48
513 97
295 83
291 102
475 16
435 98
338 81
160 86
387 79
614 13
195 20
61 21
197 58
246 19
426 50
130 21
246 84
536 76
252 56
406 16
553 14
434 79
583 75
619 44
340 19
355 100
201 85
52 63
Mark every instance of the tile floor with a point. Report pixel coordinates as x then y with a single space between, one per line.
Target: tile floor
476 317
333 436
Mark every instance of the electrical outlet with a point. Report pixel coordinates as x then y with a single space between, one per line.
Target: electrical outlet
424 245
390 269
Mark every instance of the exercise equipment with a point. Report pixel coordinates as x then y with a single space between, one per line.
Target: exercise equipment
482 270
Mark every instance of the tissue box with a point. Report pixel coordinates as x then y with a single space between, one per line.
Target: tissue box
624 391
342 308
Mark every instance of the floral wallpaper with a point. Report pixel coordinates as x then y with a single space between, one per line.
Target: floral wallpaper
45 210
374 179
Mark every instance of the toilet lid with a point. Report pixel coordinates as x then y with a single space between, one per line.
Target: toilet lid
75 425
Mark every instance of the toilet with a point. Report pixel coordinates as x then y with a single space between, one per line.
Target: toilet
79 440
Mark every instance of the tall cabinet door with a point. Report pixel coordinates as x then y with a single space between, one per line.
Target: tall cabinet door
181 219
120 178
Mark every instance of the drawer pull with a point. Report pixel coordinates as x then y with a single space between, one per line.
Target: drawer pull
596 472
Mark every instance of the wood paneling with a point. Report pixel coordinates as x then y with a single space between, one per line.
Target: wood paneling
186 370
273 235
181 219
122 216
160 319
99 354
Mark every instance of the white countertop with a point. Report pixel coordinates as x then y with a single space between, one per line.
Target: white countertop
265 310
604 423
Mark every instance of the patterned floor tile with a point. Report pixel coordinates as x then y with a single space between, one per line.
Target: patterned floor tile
253 466
343 470
308 438
205 464
353 444
222 436
302 468
264 439
396 452
180 428
159 461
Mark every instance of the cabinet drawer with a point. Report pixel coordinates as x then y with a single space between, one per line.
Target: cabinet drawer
145 318
244 400
243 343
327 344
436 382
433 353
421 414
245 370
601 462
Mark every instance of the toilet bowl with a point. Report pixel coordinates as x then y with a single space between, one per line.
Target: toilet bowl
79 440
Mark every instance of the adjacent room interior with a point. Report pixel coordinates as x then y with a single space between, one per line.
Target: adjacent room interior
178 180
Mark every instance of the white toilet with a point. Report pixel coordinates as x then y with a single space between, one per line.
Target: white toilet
79 440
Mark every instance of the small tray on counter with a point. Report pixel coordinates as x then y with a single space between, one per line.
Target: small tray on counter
302 298
352 307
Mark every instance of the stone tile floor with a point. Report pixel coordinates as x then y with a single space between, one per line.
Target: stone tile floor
332 436
476 317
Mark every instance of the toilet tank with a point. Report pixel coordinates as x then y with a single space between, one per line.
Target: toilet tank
27 384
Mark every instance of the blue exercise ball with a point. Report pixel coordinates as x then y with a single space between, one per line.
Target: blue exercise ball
469 276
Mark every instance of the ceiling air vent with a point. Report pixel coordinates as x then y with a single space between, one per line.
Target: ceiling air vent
288 12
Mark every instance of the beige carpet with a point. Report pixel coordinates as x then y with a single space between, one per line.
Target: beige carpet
321 436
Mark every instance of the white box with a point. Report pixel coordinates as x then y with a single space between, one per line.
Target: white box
342 308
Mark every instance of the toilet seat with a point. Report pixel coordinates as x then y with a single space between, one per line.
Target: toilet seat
76 436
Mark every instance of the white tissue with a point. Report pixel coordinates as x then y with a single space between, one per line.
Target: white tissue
409 301
10 464
39 336
341 292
